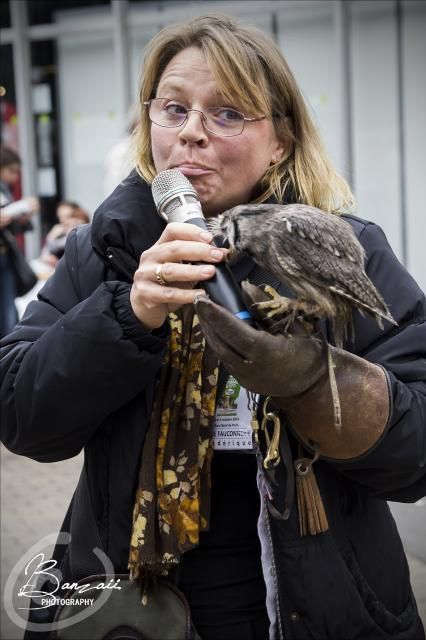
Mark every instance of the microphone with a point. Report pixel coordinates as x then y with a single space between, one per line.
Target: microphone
177 201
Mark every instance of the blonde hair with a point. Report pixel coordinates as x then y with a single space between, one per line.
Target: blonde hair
250 71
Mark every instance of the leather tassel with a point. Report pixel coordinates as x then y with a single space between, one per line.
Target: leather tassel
312 516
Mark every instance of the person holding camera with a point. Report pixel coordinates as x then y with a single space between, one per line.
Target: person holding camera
15 218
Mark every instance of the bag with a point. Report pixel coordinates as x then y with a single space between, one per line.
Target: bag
25 278
165 616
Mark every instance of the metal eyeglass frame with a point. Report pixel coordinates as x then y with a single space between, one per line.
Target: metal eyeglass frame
147 103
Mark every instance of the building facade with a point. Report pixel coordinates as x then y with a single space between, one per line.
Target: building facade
71 72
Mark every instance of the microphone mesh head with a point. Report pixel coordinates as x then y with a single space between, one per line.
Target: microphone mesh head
171 180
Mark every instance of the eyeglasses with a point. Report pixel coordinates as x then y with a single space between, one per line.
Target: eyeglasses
221 121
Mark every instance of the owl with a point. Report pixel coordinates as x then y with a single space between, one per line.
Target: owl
316 254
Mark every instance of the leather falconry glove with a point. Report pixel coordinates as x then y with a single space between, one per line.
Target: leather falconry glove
293 370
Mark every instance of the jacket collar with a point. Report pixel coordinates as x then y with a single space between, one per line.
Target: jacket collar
126 224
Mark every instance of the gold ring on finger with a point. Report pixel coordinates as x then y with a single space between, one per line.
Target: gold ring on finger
159 275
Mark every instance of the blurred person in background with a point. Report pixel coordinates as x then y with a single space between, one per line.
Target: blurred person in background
70 215
120 158
15 218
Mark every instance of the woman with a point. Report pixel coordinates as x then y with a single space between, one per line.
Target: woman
69 215
10 169
98 339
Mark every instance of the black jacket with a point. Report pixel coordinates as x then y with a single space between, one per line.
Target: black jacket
79 369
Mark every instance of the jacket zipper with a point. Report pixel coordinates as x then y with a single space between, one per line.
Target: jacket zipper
254 402
117 265
112 262
280 621
282 635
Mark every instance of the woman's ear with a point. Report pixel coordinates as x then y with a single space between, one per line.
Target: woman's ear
277 152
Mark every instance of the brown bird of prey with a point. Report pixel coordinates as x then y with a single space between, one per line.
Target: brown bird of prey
317 255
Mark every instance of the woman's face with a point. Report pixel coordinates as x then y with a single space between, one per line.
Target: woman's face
224 171
64 212
9 174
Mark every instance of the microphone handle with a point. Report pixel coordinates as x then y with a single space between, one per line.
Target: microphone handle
223 288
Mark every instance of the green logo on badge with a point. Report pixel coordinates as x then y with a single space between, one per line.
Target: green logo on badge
230 394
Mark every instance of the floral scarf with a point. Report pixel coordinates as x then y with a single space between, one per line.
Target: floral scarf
172 503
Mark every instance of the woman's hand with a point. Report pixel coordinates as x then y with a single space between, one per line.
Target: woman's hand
33 205
293 369
179 243
4 219
272 365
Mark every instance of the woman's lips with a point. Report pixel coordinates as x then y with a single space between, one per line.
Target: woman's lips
192 169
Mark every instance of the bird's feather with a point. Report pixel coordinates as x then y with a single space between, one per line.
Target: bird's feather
315 253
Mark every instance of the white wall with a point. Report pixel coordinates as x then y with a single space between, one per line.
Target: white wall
414 106
306 38
89 121
375 116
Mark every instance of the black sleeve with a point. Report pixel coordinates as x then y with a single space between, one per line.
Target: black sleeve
395 469
17 226
70 363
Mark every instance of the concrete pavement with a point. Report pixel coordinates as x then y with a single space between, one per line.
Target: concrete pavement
34 498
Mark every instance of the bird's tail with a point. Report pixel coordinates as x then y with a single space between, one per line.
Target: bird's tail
379 316
379 312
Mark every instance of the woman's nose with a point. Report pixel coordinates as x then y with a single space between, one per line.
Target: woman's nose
193 129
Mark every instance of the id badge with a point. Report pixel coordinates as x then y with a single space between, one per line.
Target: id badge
232 426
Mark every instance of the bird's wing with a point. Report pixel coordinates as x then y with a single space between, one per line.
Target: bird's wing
311 253
325 253
329 231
